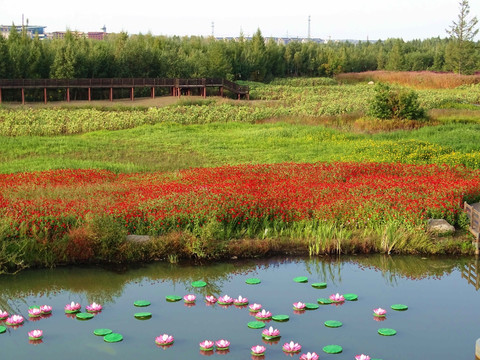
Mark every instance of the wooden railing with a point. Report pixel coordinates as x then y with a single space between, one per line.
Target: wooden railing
474 227
122 83
175 85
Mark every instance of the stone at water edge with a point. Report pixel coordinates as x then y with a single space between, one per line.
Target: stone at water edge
440 227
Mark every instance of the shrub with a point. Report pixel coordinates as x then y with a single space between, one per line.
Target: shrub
392 104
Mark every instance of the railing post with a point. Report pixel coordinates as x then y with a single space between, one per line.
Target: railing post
0 95
45 95
89 93
111 94
23 96
68 94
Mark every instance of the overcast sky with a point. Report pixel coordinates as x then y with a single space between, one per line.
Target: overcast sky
337 19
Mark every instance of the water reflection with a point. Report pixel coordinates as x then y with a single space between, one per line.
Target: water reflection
471 273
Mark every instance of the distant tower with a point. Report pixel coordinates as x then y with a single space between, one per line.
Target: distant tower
308 27
104 29
213 29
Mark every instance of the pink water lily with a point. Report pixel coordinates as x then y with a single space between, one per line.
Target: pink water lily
240 300
73 307
362 357
337 298
35 335
225 299
93 307
206 345
309 356
3 315
210 299
379 312
15 320
254 307
222 344
291 347
34 312
258 350
298 306
46 309
270 333
265 315
164 339
190 298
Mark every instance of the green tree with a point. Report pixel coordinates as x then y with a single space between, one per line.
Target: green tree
460 52
4 59
63 66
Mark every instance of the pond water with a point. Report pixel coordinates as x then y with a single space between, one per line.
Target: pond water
442 320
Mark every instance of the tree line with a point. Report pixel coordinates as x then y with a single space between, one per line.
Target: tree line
255 58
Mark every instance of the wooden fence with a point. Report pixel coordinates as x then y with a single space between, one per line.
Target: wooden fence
474 227
175 85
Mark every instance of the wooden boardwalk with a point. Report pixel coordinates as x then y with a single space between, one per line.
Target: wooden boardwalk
473 213
175 85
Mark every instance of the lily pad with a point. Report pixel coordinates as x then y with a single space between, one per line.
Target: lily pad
333 323
320 285
173 298
71 311
350 297
311 306
387 332
34 307
2 329
324 301
113 337
143 315
256 325
280 318
102 332
333 349
301 279
84 316
199 283
399 307
142 303
253 281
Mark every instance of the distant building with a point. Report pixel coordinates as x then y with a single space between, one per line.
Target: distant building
31 30
96 35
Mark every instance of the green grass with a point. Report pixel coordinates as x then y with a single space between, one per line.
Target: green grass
170 147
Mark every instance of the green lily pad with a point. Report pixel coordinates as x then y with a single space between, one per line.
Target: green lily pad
142 303
333 349
399 307
113 337
280 318
2 329
301 279
333 323
34 307
320 285
173 298
387 332
324 301
84 316
143 315
350 297
71 311
253 281
102 332
311 306
199 283
256 325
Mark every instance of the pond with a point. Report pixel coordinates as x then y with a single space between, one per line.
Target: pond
442 320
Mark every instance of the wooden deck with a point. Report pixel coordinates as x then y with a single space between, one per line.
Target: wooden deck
175 85
473 213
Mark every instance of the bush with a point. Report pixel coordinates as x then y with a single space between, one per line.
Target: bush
392 104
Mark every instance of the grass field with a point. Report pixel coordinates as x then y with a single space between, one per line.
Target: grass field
291 121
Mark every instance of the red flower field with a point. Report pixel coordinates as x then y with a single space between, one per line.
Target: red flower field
353 194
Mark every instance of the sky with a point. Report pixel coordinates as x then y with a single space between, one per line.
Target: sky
337 19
